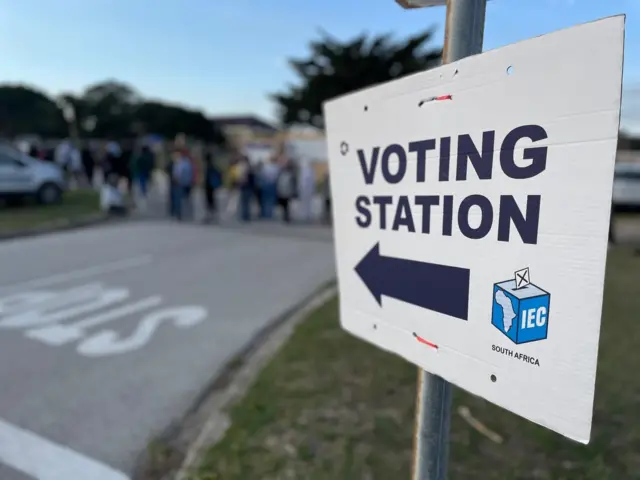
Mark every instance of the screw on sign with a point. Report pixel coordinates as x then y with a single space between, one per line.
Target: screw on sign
456 224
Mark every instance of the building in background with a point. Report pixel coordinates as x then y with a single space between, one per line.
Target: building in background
260 140
244 130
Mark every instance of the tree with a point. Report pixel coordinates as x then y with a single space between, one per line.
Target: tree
111 105
25 110
170 120
627 141
109 109
334 68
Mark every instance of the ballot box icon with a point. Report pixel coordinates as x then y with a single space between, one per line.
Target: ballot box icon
521 309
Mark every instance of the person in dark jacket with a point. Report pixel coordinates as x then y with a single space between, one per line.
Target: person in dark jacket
286 188
126 159
246 185
172 203
88 163
142 168
34 151
110 162
257 188
49 154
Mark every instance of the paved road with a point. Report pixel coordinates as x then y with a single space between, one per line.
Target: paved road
106 335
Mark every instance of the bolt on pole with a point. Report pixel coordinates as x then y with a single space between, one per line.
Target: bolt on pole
464 32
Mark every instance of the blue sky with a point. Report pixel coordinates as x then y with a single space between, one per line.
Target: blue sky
224 56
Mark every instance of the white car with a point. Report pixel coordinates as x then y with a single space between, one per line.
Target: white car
626 186
23 176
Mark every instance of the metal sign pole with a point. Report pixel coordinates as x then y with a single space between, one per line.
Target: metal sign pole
464 32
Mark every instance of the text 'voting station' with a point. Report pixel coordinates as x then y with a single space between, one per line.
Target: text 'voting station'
392 163
471 207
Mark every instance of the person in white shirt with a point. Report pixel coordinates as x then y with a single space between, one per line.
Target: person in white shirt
62 154
111 198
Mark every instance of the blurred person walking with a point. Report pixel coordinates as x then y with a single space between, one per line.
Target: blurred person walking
257 190
110 160
236 172
111 198
286 188
246 185
269 187
126 160
212 182
307 190
172 185
75 167
183 174
88 163
61 153
142 168
62 156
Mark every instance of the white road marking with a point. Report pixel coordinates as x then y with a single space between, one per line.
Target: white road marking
34 318
21 301
108 342
44 460
57 335
79 274
17 310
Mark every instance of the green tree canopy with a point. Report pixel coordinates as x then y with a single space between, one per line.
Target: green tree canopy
109 109
169 120
335 68
24 110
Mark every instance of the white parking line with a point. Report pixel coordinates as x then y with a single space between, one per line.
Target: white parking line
79 274
44 460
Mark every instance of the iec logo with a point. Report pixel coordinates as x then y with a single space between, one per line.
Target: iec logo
520 309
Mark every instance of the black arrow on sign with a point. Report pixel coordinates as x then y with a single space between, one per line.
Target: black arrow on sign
439 288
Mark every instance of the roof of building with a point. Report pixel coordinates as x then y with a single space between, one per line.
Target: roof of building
243 120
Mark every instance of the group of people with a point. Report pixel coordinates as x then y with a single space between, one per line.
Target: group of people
123 165
271 186
255 190
126 163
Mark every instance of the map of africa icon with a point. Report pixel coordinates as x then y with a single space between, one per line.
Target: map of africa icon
508 313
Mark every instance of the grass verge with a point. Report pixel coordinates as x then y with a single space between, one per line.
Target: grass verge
76 205
329 406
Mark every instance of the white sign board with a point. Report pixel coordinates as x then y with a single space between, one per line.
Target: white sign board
471 208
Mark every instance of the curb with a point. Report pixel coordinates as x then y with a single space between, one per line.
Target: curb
58 226
205 423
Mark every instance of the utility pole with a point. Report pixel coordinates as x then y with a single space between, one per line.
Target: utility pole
464 32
